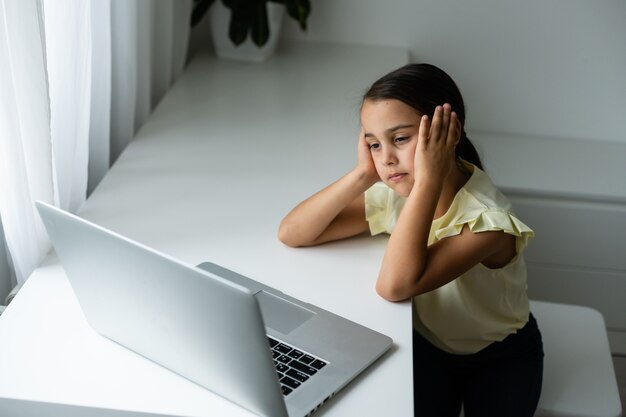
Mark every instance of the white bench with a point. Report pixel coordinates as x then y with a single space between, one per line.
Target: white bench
578 377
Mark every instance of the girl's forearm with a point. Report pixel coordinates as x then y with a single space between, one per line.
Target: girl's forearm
307 221
406 254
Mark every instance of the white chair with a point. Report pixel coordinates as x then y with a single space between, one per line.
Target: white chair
578 377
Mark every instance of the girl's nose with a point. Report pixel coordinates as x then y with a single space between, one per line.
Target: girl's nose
389 157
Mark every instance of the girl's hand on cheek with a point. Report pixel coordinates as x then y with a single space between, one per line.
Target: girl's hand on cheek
434 154
365 163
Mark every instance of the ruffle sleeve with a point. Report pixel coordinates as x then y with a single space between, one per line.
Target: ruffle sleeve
382 208
490 220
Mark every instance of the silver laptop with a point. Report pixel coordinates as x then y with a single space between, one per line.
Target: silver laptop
261 349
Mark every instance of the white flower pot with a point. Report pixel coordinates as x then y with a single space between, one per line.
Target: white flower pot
219 16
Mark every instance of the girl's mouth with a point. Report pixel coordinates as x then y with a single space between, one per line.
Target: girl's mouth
397 177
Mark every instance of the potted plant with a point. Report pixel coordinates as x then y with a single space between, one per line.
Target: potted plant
253 27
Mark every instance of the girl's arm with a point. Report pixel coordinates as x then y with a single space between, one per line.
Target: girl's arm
411 267
337 211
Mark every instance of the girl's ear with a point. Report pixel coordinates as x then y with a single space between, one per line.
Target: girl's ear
459 129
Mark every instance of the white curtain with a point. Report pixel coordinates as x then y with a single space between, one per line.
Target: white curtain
26 158
68 57
77 79
146 48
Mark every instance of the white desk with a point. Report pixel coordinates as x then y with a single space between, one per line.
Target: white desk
230 149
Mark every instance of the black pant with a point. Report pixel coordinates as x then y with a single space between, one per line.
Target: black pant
502 380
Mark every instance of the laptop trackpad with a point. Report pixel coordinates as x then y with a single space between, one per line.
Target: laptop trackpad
280 314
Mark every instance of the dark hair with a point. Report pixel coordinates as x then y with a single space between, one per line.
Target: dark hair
424 87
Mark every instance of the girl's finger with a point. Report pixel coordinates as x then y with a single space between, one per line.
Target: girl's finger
453 130
361 134
423 132
435 129
445 125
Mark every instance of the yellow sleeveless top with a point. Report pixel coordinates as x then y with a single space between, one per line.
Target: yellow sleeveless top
483 305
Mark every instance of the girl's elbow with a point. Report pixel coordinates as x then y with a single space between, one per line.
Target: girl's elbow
392 292
285 237
289 237
384 293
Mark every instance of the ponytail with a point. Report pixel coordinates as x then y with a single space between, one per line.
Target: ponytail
466 150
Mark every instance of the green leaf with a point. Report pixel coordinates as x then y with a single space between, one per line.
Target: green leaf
260 30
299 10
200 8
235 4
239 25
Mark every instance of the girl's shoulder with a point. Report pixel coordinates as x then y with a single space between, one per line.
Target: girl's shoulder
481 193
482 207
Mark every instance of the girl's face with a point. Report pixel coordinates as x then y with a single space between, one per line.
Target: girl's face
391 128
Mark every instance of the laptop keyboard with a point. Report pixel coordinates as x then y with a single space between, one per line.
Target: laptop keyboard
293 366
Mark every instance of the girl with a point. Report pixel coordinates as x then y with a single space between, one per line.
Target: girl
455 246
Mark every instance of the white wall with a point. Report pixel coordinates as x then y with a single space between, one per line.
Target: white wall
536 68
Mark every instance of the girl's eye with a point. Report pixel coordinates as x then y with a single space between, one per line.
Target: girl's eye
374 145
401 138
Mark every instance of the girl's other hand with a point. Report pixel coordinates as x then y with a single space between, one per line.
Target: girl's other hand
434 154
365 164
